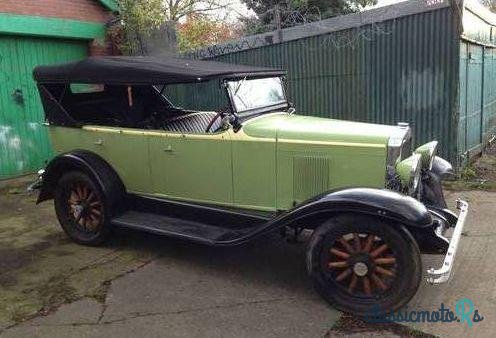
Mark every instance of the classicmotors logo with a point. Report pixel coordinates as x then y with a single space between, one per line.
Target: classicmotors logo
464 312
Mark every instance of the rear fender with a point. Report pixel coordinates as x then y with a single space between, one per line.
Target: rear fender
92 165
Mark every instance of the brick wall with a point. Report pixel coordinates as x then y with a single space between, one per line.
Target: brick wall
83 10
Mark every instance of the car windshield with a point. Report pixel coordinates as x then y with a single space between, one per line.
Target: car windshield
250 94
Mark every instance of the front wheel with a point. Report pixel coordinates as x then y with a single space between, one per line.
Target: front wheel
81 209
361 264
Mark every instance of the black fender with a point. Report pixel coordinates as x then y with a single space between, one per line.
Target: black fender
91 164
442 168
432 189
386 204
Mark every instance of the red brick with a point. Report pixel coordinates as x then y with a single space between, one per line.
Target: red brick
85 10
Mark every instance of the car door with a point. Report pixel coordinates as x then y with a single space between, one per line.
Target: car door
125 149
192 167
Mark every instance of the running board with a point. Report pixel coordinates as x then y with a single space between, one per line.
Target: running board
184 229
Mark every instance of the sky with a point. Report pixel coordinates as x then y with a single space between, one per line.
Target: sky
238 8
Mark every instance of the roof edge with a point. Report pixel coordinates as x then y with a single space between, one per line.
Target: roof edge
321 27
481 11
50 27
111 5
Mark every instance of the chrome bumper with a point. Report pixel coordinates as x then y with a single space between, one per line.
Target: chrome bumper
442 275
36 184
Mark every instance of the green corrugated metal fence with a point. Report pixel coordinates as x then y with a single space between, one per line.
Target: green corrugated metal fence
477 96
24 144
405 69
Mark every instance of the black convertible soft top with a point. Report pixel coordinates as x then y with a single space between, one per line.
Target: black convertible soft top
145 70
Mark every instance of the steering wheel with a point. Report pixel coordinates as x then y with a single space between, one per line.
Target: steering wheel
221 113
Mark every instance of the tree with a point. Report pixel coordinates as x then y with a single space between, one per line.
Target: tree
274 14
137 19
199 31
176 10
491 4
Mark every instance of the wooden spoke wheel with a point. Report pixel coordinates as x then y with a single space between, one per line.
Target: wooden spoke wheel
81 209
85 207
363 264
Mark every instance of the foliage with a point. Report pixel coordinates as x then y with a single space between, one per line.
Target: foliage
175 10
274 14
138 18
199 31
491 4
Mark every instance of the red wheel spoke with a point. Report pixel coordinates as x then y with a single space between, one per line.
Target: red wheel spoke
368 243
379 251
85 192
353 283
384 272
343 275
341 264
346 245
79 191
96 211
81 221
358 245
340 253
366 286
378 281
73 197
90 196
385 261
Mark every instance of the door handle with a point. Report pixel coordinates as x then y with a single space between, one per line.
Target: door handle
168 149
98 142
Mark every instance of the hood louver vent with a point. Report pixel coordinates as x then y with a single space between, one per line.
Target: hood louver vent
310 177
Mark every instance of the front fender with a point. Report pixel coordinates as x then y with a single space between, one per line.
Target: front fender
377 202
442 168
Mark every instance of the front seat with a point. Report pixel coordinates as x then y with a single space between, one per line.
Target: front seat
192 123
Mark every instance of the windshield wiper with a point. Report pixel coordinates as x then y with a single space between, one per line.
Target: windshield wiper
239 86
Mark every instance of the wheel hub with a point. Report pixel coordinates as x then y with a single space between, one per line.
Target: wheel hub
78 210
360 269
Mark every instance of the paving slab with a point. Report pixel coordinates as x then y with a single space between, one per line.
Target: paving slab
261 290
474 274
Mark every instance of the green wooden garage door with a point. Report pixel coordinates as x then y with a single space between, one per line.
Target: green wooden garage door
24 145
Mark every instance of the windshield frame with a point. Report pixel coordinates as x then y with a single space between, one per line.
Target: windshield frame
258 110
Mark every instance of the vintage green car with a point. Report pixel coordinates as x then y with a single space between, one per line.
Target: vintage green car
129 156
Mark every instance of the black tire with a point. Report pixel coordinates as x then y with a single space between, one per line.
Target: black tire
81 209
348 291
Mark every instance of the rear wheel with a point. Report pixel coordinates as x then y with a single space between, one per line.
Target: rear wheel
363 265
81 209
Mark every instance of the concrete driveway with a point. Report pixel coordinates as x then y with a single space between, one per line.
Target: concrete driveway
260 289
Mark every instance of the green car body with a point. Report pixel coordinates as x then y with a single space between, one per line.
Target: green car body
126 156
273 162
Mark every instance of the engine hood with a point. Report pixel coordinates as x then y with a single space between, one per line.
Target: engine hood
283 126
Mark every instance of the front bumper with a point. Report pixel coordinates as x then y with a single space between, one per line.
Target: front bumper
36 184
442 275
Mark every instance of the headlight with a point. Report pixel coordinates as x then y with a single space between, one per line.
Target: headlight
409 172
399 144
427 152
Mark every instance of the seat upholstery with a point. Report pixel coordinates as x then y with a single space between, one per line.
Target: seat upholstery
192 123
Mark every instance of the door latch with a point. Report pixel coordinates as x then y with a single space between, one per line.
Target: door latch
98 142
168 149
